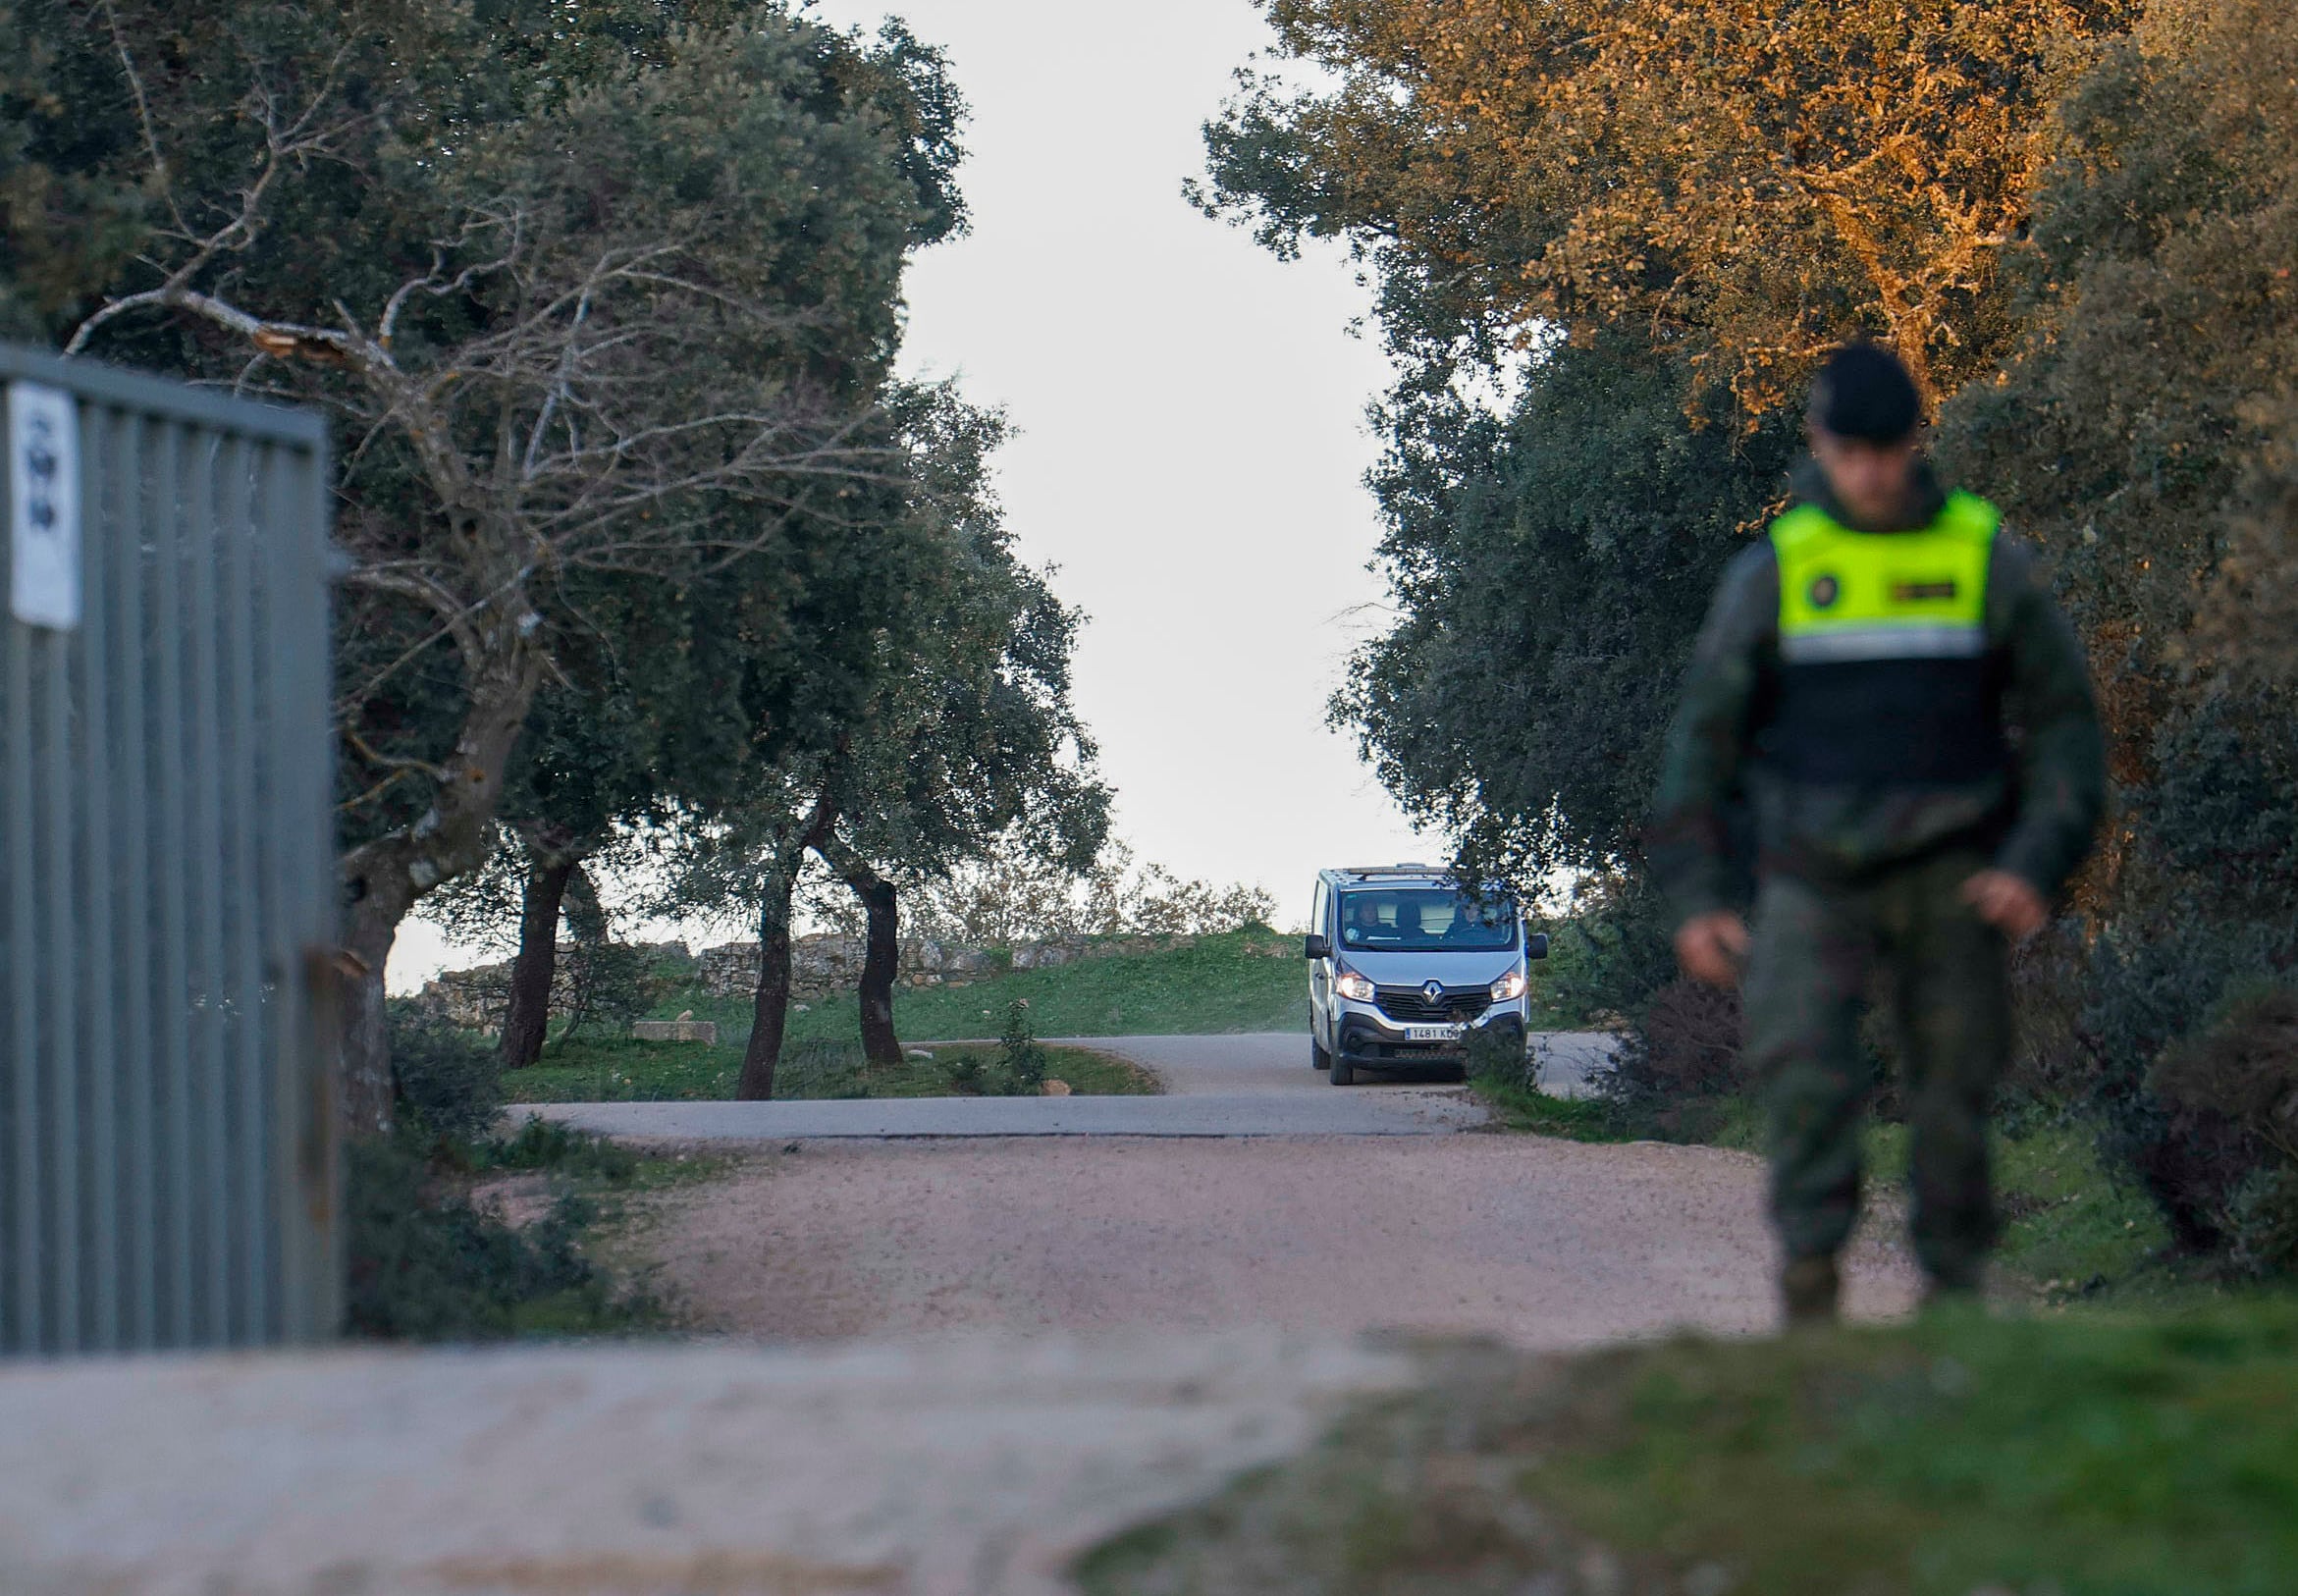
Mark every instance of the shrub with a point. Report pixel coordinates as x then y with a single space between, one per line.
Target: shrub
1019 1057
430 1268
613 984
541 1143
448 1079
968 1075
1681 1066
2144 993
2226 1156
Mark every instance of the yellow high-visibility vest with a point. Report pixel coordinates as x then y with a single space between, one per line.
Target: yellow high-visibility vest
1922 593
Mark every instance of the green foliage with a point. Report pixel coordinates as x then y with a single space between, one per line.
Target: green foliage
614 984
1550 566
2141 439
1016 889
2091 1455
2227 1160
543 1144
622 1071
428 1265
450 1080
1019 1056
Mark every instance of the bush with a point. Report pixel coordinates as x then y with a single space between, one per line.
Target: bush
2226 1156
541 1143
2143 993
1611 952
448 1079
428 1268
1681 1066
1019 1056
612 984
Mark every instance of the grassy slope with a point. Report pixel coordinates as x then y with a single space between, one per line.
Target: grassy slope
1249 981
2087 1454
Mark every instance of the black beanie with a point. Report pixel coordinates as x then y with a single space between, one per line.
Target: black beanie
1864 391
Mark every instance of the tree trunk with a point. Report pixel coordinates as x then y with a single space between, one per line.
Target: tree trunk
770 1011
881 965
383 878
526 1021
364 1106
881 950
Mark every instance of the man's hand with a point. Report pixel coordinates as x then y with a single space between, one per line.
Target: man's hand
2008 902
1711 946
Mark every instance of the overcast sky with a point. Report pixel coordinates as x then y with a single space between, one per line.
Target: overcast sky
1192 438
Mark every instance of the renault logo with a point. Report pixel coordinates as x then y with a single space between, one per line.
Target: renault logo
1432 991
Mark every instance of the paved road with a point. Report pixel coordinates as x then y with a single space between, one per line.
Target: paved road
1254 1085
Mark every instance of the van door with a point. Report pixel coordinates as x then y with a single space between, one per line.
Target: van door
1319 970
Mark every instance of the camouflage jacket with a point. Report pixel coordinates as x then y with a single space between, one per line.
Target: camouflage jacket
2036 819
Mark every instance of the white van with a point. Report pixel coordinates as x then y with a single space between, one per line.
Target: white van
1404 966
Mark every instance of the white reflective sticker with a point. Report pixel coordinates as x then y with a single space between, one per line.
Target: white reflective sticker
43 507
1884 641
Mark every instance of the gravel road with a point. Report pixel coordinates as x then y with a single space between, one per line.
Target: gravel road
1546 1243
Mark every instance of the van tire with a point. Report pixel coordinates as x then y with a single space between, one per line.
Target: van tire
1344 1074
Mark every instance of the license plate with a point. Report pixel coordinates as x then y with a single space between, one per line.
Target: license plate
1433 1033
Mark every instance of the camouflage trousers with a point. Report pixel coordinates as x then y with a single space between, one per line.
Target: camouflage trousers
1816 949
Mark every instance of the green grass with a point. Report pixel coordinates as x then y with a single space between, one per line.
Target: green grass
1246 980
1525 1109
2083 1454
619 1070
2071 1232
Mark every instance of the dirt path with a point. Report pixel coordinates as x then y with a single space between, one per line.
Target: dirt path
1546 1243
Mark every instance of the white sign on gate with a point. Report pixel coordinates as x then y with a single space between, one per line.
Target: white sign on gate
43 507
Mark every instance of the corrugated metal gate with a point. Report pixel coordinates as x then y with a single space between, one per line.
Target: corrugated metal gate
166 1133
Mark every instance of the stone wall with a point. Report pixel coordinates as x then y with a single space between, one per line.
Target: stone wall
476 998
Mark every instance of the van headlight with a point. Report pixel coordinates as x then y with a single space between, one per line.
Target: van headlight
1352 986
1509 987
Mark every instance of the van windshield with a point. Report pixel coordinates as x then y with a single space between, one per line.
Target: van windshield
1403 919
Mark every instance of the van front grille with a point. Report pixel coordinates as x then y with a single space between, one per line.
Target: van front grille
1455 1005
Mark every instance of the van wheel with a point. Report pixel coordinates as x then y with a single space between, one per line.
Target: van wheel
1318 1058
1343 1072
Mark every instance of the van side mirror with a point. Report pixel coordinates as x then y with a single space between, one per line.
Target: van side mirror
1317 948
1535 944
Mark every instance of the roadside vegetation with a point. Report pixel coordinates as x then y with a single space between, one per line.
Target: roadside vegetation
436 1249
2087 1454
622 1071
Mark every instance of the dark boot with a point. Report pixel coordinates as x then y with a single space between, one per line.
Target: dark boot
1809 1287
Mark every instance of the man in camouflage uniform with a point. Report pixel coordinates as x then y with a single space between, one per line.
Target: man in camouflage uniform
1888 683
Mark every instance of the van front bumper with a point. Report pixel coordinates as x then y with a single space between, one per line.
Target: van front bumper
1371 1040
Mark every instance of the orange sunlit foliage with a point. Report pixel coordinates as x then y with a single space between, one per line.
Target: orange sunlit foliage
1761 175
